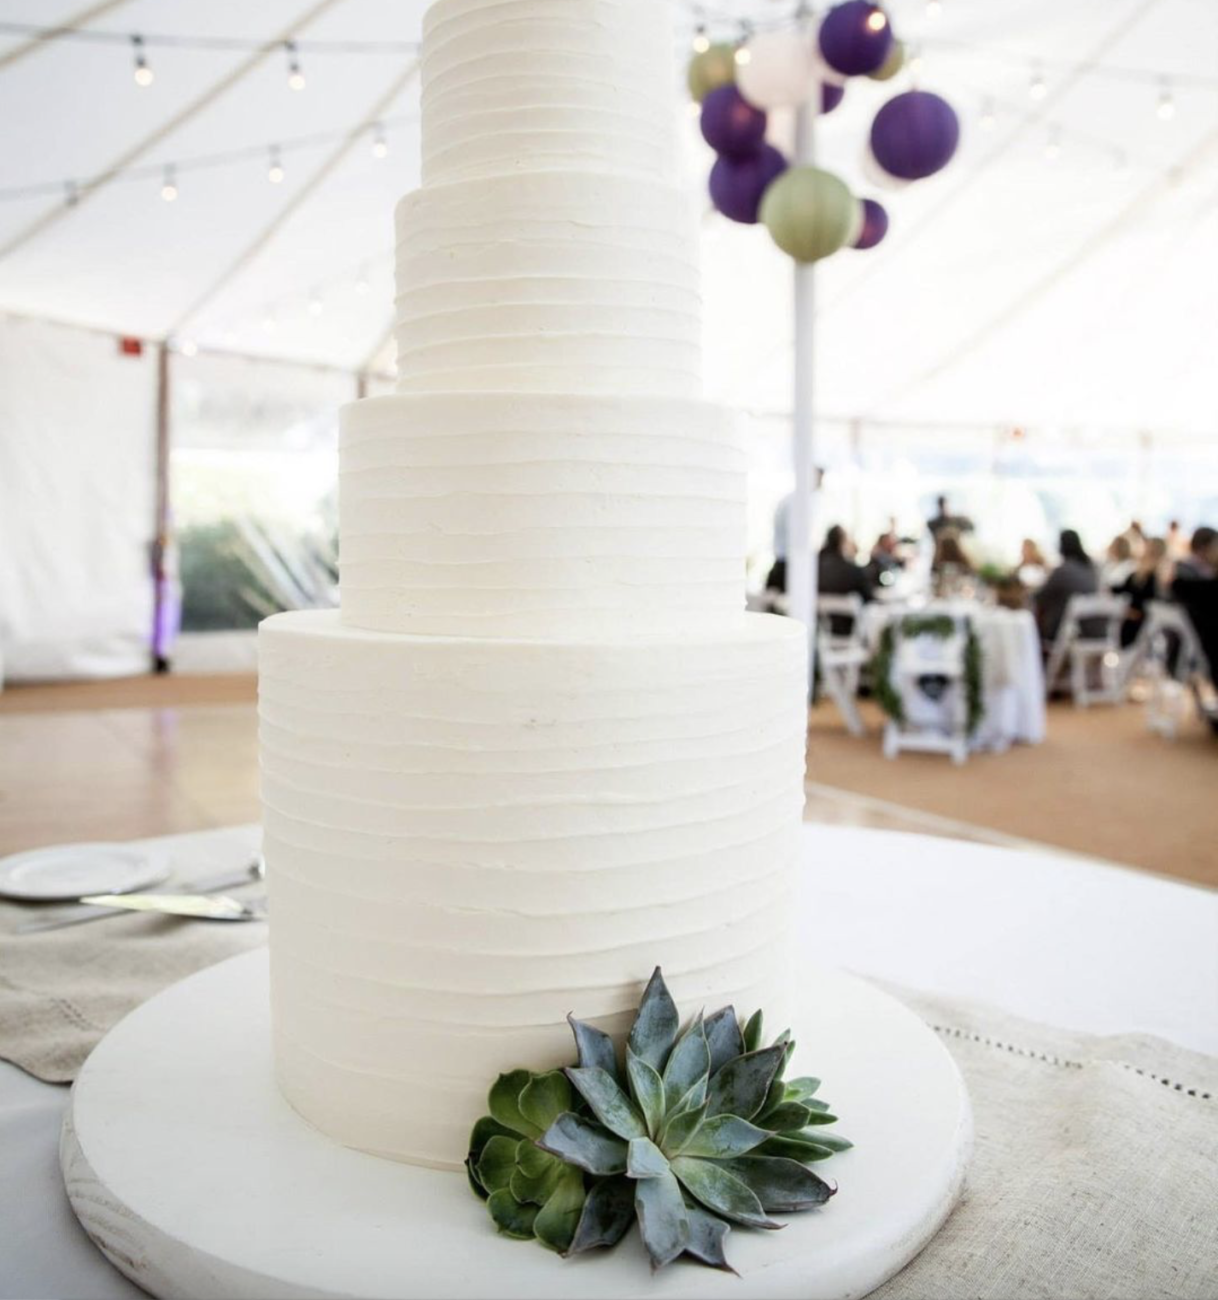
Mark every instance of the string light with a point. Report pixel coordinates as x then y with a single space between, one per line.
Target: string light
380 146
296 80
275 172
877 20
989 116
1053 146
143 73
701 40
744 56
169 186
1167 104
916 62
1037 88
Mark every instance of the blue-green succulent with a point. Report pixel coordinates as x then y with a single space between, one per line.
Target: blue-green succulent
698 1130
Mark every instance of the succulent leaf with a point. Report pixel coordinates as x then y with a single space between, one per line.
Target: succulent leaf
723 1037
799 1089
788 1115
689 1061
485 1129
707 1234
663 1219
536 1174
544 1098
656 1024
511 1218
595 1047
814 1103
718 1190
647 1089
694 1098
556 1224
817 1117
724 1136
804 1152
644 1159
780 1185
742 1085
680 1127
609 1103
497 1163
753 1031
586 1145
504 1103
831 1141
607 1215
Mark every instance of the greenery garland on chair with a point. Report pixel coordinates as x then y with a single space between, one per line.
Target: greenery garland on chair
941 626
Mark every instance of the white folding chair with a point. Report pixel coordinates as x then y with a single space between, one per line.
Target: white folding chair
1169 650
1093 656
918 657
841 656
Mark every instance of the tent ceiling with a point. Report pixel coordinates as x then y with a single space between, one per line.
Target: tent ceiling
1011 289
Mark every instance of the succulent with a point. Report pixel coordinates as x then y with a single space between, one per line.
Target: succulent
699 1131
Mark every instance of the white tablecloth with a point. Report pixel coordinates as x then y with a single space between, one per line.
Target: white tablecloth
1014 678
1052 938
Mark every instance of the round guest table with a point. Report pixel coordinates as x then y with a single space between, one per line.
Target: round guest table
1043 935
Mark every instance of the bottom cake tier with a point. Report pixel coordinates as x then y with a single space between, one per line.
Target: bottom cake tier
466 840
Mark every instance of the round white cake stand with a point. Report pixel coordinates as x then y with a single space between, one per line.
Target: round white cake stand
196 1179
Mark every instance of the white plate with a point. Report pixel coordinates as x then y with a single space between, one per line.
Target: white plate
72 870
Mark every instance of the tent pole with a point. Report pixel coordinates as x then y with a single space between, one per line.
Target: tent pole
801 571
160 543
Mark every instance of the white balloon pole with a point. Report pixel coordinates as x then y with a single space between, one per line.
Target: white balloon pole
801 571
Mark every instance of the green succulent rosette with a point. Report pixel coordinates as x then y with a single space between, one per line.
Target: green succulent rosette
699 1131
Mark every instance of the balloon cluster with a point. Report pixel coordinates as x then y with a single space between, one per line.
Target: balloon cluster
810 213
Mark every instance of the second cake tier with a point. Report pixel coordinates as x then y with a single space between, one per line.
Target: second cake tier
503 515
467 840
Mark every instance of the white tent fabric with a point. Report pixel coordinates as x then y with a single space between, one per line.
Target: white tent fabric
77 503
1011 289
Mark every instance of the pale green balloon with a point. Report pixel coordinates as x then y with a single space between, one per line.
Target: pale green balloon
711 69
809 213
892 64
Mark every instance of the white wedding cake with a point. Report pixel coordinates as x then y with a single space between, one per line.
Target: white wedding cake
542 749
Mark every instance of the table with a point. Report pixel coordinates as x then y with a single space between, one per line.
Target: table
1014 681
1046 936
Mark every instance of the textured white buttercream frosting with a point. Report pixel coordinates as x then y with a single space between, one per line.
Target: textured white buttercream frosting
468 839
539 515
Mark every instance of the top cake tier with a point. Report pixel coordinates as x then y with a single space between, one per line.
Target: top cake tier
548 85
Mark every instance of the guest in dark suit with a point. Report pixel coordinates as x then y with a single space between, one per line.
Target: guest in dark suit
838 575
1142 586
1074 576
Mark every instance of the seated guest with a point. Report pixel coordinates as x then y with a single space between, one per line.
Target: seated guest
1142 586
1202 558
1074 576
885 562
1118 563
838 575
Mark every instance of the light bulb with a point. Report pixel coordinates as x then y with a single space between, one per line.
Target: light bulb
380 146
744 56
877 20
1036 87
143 73
296 79
1166 109
989 118
169 187
701 41
1053 148
916 63
275 172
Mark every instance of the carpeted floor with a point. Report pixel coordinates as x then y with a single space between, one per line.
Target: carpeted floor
1101 784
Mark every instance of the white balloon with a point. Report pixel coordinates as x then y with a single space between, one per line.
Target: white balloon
877 175
780 69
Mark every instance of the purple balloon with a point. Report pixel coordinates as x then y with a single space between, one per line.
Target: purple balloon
731 125
856 38
831 96
737 185
915 135
875 225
